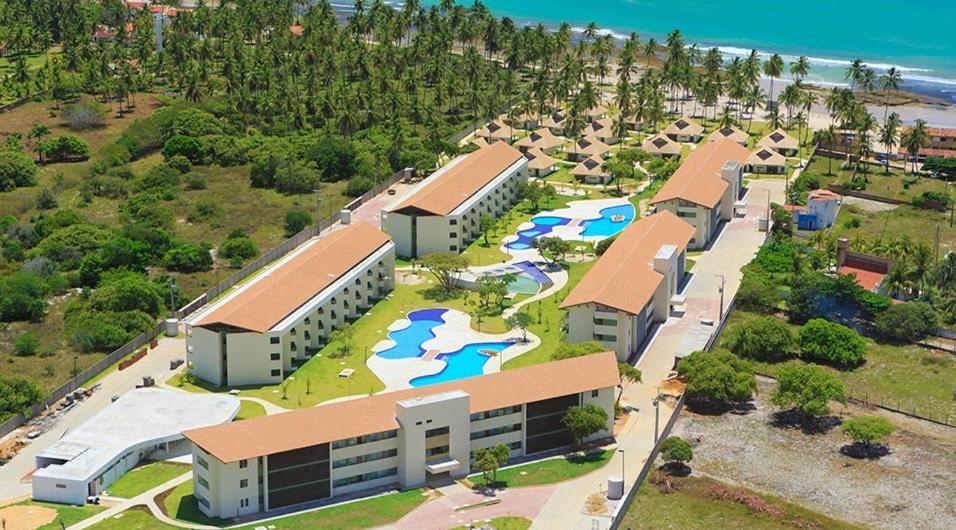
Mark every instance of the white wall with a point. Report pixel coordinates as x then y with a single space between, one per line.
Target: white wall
224 492
203 354
449 409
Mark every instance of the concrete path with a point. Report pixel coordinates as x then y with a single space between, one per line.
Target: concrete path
143 499
560 279
444 512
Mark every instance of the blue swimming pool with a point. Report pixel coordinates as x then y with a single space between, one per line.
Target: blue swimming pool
613 220
469 361
408 341
543 224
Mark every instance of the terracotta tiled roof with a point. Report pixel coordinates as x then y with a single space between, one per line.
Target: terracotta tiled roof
943 132
734 133
593 166
624 277
778 139
538 159
542 138
824 195
452 185
698 180
269 299
685 127
590 146
498 130
765 156
867 279
287 431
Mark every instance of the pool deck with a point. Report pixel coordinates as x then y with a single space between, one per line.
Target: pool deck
455 333
577 212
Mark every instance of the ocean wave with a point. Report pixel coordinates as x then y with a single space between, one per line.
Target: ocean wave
819 61
602 32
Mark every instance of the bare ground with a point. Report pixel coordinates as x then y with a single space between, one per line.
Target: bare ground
913 487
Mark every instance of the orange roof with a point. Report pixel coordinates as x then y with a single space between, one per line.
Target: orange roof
538 159
267 435
943 132
448 188
867 279
282 290
624 277
698 180
823 195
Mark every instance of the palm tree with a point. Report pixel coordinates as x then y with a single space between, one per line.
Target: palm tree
854 72
826 137
897 280
800 68
889 136
946 272
920 271
753 99
773 68
914 140
889 81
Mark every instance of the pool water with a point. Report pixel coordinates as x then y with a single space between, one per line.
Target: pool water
613 220
408 341
543 224
466 362
523 284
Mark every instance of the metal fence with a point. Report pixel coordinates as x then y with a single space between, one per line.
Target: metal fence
284 248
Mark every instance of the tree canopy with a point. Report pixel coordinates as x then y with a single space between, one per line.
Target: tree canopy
807 388
717 376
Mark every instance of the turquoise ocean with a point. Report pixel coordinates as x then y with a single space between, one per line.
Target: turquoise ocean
916 36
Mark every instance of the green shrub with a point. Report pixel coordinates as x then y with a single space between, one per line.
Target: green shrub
160 177
909 322
296 221
764 339
238 247
91 331
358 186
185 146
194 181
675 449
26 344
831 343
603 245
204 210
807 388
23 297
17 394
188 258
63 148
16 170
180 164
717 376
758 293
195 123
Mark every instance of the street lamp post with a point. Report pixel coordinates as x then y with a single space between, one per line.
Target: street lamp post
657 414
622 466
723 280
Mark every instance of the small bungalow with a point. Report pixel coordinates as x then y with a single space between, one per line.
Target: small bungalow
734 133
765 160
780 142
540 164
586 148
555 122
661 146
597 112
634 124
820 211
684 130
603 130
591 171
497 131
541 139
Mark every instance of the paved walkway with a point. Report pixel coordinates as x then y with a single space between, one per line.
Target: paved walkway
143 499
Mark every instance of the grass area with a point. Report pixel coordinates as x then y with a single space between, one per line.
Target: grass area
905 377
146 477
180 503
504 523
562 174
648 193
895 185
136 518
692 507
249 409
369 513
66 514
916 224
550 471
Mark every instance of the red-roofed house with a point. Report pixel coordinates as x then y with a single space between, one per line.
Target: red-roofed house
868 270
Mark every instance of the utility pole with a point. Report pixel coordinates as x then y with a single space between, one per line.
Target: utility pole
172 296
318 207
723 280
657 415
622 465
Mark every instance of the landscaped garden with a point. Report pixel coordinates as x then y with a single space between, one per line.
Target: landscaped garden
549 471
146 477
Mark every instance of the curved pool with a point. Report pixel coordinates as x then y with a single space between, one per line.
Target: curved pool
468 361
613 220
409 340
543 224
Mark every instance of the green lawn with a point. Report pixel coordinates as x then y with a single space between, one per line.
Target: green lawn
136 518
896 185
549 471
901 376
249 409
145 478
903 221
66 514
376 511
505 523
692 507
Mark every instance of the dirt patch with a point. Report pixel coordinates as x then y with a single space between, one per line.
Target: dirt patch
26 517
867 205
596 504
911 487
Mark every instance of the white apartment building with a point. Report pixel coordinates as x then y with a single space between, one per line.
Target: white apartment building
400 439
632 285
254 336
443 212
705 188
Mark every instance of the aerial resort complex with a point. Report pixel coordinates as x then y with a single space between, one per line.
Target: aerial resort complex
467 266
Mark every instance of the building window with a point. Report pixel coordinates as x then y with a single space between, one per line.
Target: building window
273 340
202 462
453 247
276 373
453 222
61 486
440 450
243 503
202 500
365 477
244 483
494 413
477 435
604 338
436 432
594 393
604 322
453 235
243 464
202 482
274 356
370 457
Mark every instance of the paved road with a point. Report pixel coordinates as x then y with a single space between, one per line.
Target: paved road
14 480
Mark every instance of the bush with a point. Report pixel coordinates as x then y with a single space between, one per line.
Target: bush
807 388
567 350
757 293
238 247
83 116
180 164
23 297
63 148
358 186
91 331
225 150
909 322
675 449
107 186
185 146
17 394
121 291
160 177
931 199
296 178
764 339
16 170
46 200
831 343
334 156
296 221
603 245
194 181
204 210
26 344
188 258
718 377
867 429
194 123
